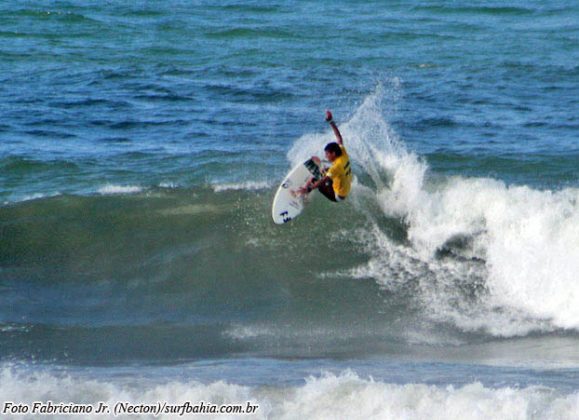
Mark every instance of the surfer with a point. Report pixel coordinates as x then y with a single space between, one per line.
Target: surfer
336 181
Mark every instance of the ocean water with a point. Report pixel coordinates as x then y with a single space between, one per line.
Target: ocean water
141 144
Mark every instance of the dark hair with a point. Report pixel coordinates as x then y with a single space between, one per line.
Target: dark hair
334 147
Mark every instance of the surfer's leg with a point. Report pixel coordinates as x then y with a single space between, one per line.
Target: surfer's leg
327 190
306 189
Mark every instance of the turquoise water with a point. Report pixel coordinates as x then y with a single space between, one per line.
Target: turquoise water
140 147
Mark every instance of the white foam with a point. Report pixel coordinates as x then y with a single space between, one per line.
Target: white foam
521 245
344 395
13 328
529 239
168 185
244 332
30 197
248 185
192 210
349 396
112 189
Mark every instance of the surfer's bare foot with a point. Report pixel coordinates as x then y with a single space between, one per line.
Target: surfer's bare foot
298 193
303 191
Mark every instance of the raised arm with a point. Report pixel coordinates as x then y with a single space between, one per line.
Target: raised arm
330 120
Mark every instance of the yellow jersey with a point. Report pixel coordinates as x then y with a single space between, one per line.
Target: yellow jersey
341 174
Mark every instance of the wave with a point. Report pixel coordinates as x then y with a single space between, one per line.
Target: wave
107 189
247 185
474 10
29 197
412 258
514 247
21 165
119 189
343 395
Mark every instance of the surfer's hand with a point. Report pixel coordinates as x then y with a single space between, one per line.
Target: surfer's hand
329 116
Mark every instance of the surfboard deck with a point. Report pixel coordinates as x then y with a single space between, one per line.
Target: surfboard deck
287 203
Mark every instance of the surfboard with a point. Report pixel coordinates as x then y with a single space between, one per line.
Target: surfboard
287 204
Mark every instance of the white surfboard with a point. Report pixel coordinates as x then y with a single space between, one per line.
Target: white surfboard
287 203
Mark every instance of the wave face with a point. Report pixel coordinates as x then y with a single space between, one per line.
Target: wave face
411 259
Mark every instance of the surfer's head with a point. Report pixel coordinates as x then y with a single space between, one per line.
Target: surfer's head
333 151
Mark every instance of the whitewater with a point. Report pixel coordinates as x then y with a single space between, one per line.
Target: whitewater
329 395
